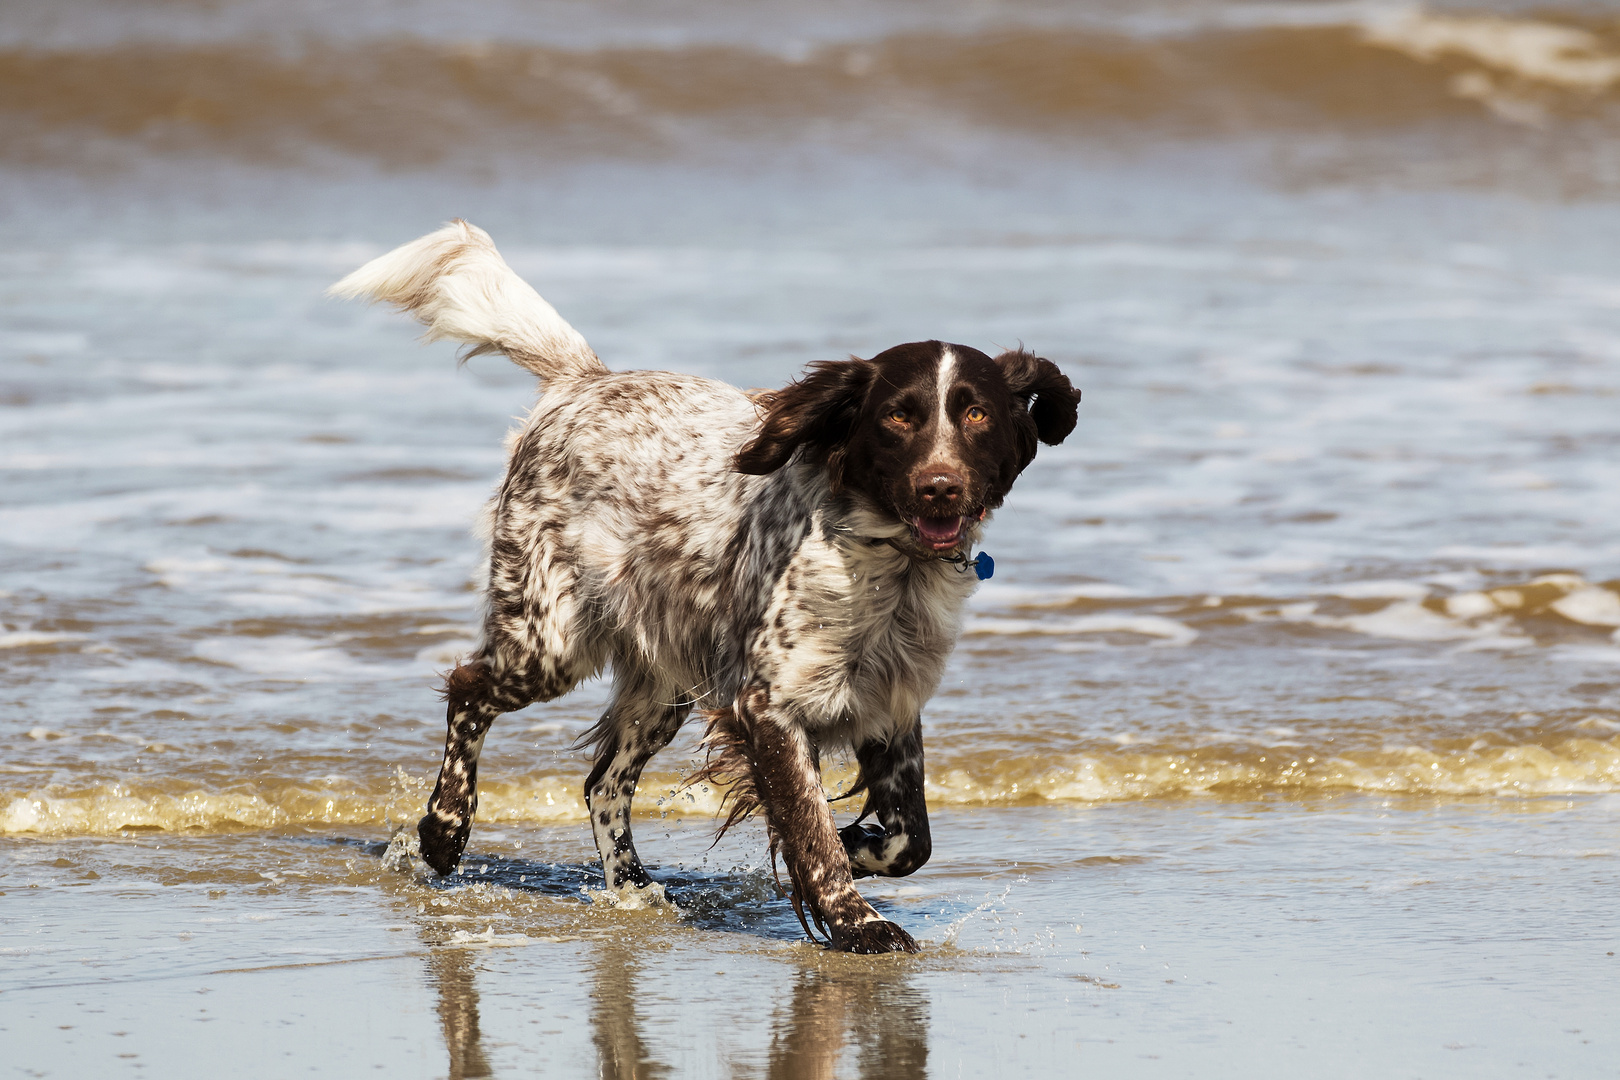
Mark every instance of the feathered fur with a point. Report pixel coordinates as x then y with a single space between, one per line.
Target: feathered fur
457 285
729 764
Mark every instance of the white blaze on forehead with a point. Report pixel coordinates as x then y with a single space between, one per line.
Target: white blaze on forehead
943 452
947 376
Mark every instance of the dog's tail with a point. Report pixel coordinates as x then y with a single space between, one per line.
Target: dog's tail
457 285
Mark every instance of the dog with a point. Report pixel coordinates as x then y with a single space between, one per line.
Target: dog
792 563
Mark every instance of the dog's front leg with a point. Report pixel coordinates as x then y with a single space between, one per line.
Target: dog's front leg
788 784
892 774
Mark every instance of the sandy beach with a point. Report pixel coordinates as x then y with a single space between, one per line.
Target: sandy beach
1337 937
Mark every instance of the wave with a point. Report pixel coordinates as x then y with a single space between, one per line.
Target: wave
1582 765
1584 759
116 806
1556 610
415 102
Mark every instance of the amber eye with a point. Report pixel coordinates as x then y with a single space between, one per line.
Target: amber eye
899 416
977 415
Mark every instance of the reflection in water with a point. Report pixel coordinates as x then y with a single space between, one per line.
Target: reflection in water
870 1010
451 971
620 1052
881 1013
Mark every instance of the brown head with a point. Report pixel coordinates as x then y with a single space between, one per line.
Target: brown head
931 432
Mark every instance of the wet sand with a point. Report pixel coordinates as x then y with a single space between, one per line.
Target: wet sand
1336 937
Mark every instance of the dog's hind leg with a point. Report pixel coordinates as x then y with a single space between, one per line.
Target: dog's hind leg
892 777
535 649
475 694
638 723
471 707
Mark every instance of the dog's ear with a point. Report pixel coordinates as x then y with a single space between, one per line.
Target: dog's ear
1044 390
818 412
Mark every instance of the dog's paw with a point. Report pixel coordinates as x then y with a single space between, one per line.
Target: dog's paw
442 842
872 937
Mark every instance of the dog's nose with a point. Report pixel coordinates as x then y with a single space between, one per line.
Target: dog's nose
940 487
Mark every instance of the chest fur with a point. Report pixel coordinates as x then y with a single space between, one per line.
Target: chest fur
856 635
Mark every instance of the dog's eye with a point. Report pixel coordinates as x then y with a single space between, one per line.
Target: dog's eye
899 416
977 415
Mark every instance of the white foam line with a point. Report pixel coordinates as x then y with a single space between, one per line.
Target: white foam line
1378 590
22 639
1545 52
1155 626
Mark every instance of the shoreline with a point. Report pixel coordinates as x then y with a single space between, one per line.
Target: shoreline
1216 938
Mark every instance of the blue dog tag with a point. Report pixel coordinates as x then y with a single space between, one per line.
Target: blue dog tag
984 566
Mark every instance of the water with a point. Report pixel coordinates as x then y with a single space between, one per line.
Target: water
1286 737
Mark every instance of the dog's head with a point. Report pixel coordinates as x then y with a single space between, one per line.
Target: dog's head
932 433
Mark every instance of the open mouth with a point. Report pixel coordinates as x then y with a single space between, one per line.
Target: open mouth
940 534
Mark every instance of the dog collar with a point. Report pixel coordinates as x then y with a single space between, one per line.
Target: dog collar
982 565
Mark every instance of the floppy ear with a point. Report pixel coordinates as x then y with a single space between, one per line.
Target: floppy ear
1044 390
817 412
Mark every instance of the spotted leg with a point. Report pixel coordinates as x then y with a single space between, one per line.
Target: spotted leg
537 646
445 827
898 843
472 704
638 723
787 783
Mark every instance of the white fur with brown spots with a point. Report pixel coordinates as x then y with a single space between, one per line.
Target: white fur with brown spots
780 562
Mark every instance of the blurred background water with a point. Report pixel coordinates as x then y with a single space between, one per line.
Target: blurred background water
1335 545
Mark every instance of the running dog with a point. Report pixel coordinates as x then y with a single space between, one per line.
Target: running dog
792 563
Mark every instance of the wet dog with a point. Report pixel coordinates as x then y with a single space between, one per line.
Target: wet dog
792 563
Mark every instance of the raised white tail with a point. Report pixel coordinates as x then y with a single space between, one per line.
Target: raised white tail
457 285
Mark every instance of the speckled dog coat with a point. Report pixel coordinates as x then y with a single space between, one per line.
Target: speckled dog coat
790 563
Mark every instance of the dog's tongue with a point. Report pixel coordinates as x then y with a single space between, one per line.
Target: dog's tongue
939 530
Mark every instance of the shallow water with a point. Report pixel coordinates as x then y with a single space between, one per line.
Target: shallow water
1298 683
1271 937
1298 544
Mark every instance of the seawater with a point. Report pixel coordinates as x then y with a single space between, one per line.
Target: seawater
1324 548
1287 735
